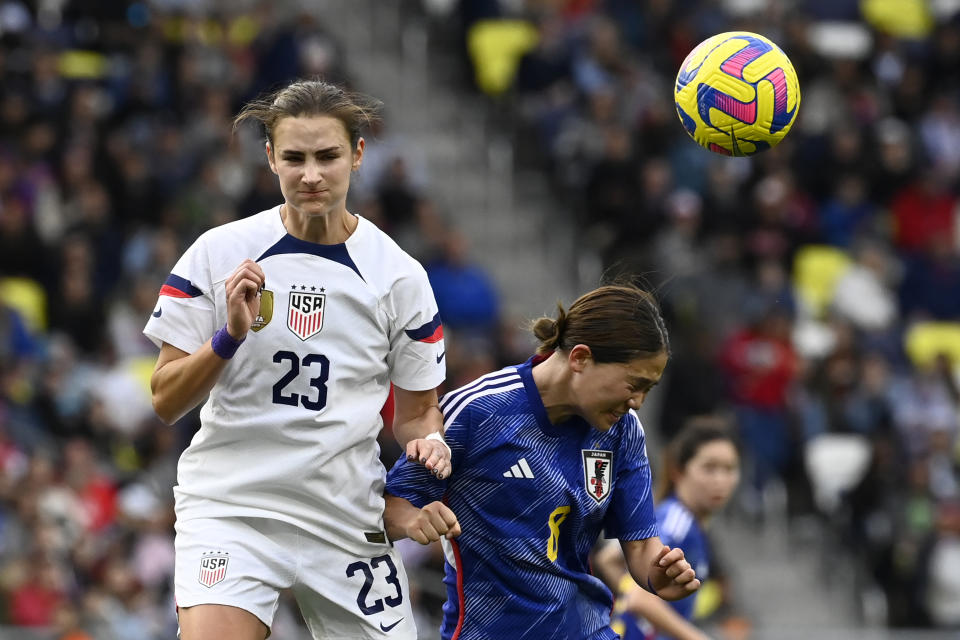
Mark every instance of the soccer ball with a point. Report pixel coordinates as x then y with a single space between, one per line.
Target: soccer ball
737 93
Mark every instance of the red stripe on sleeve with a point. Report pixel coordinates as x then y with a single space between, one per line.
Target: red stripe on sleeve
436 336
173 292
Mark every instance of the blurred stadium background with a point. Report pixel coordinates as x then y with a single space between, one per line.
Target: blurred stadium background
529 148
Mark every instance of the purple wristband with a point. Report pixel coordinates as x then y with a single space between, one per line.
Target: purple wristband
224 344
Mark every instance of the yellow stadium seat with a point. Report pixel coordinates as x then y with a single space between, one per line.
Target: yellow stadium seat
925 340
77 64
28 298
816 269
910 19
496 47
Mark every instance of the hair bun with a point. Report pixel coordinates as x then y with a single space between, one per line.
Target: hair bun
550 332
546 330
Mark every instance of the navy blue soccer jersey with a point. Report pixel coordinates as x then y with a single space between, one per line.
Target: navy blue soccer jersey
532 498
678 528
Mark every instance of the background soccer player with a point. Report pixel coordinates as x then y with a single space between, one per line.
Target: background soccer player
547 455
295 321
702 471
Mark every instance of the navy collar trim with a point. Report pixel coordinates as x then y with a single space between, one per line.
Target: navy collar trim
336 252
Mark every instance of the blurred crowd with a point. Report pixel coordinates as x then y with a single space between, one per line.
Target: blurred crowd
813 291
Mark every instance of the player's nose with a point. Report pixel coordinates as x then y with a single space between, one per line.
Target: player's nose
311 173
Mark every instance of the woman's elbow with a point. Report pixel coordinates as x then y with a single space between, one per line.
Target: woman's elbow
164 408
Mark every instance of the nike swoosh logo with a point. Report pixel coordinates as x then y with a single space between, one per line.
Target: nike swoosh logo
156 314
390 626
440 357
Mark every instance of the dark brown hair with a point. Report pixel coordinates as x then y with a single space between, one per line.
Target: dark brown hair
618 322
312 98
699 431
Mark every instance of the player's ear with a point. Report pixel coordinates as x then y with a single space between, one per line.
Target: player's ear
579 356
358 154
270 158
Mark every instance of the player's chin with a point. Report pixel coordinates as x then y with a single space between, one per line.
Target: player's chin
313 206
314 203
717 502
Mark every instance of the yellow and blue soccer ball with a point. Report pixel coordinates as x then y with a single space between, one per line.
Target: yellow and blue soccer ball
737 94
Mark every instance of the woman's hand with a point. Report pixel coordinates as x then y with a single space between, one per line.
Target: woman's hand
433 453
433 521
243 297
403 520
671 576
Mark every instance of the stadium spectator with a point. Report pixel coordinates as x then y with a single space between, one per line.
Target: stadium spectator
465 295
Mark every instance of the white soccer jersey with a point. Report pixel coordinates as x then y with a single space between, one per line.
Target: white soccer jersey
289 430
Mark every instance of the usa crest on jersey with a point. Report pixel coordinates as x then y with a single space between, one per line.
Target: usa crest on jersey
305 318
596 473
213 568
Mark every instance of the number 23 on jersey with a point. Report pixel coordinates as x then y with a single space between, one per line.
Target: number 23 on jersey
316 363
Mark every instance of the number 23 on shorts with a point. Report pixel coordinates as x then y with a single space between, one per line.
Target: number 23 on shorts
556 516
367 571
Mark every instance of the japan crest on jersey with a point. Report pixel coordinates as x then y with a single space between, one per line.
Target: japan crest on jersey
213 568
305 317
596 473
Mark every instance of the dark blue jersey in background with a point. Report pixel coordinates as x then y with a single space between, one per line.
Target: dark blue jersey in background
678 528
532 498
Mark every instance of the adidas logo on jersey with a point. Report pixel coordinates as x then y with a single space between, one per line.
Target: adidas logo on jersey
519 470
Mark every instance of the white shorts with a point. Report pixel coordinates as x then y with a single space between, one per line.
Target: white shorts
246 562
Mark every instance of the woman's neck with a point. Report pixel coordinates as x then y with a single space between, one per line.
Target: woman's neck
552 378
702 518
331 228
